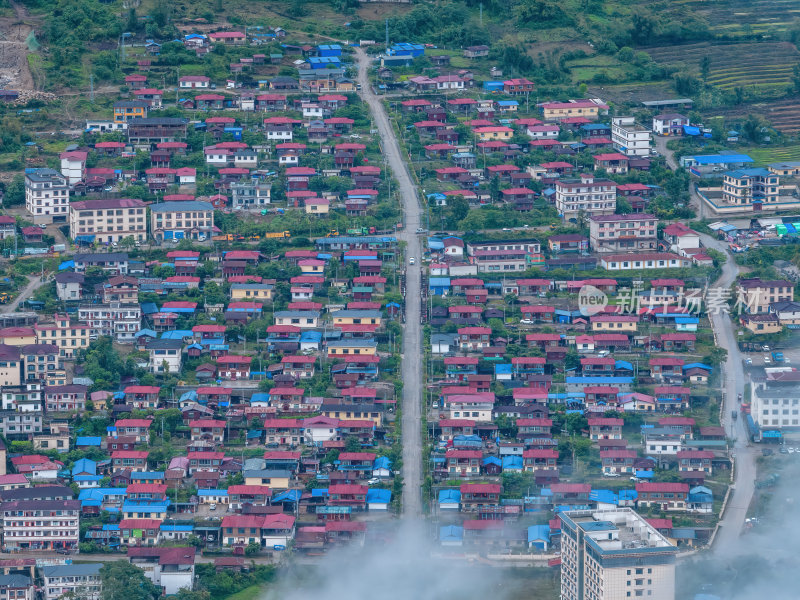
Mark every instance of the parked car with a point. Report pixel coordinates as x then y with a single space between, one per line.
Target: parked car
212 506
526 322
411 260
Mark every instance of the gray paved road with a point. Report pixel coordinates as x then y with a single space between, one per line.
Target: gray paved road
33 283
412 348
732 521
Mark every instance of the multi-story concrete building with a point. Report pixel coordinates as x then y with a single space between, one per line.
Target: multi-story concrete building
40 524
39 360
248 195
179 220
68 336
614 554
776 402
529 245
629 138
154 130
130 109
746 187
10 365
755 295
46 196
623 233
76 580
108 220
586 195
120 320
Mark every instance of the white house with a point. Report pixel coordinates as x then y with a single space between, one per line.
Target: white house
320 429
312 110
194 82
543 132
73 165
186 175
165 356
669 124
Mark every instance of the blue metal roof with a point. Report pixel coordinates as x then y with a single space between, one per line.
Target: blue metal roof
377 495
717 159
451 533
449 496
208 492
538 533
85 465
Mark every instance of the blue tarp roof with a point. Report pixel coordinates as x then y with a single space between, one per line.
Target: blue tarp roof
288 496
502 369
691 130
382 462
177 334
512 463
623 364
149 308
311 336
439 282
148 332
491 460
697 365
604 496
319 492
67 264
88 440
260 397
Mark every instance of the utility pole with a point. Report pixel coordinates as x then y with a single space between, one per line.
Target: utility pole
386 23
91 88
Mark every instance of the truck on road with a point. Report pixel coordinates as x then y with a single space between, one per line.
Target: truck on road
277 235
777 357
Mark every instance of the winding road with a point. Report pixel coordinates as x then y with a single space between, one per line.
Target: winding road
412 333
732 521
744 455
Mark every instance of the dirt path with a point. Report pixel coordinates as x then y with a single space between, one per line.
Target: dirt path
14 31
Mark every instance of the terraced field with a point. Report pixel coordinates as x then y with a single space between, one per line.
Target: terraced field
743 17
783 115
765 67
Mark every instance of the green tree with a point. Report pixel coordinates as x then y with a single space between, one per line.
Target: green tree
705 66
123 581
351 444
458 208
